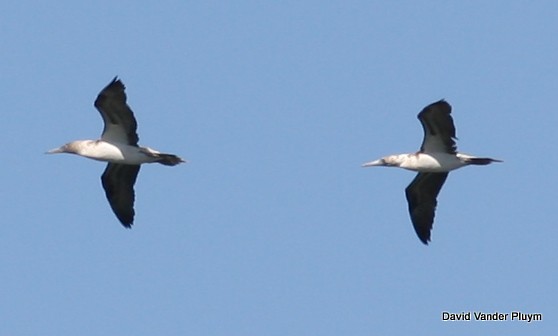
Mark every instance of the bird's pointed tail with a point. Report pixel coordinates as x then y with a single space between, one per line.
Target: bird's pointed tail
481 161
169 159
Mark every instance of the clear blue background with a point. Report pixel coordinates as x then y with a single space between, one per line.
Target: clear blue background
273 228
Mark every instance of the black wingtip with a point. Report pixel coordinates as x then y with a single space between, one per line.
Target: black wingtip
116 82
423 236
125 218
126 221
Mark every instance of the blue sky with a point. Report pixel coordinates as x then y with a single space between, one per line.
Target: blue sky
273 228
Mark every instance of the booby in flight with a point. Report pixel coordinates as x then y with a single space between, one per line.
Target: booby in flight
119 147
437 157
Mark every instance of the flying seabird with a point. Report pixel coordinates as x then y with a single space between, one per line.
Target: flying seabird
437 157
119 147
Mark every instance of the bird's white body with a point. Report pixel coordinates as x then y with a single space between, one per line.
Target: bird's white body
424 162
101 150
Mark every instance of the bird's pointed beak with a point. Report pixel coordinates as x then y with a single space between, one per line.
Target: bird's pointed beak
55 150
375 163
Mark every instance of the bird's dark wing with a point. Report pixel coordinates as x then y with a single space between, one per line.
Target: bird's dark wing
439 130
421 196
120 124
118 181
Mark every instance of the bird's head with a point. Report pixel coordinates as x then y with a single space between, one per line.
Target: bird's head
386 161
67 148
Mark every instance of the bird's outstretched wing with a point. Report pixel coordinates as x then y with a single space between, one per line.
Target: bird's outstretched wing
118 181
421 196
439 130
120 123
